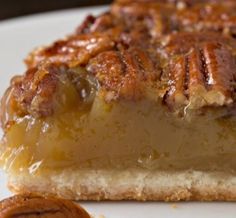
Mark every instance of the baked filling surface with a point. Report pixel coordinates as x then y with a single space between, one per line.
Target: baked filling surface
130 88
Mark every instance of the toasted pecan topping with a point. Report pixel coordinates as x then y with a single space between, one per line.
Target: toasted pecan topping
22 206
34 91
220 67
84 27
75 50
181 42
153 14
189 2
47 89
197 77
209 16
178 73
191 15
176 49
124 73
204 76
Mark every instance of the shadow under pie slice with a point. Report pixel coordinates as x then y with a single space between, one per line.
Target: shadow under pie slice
113 112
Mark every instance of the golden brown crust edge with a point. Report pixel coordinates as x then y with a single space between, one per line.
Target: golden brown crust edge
159 186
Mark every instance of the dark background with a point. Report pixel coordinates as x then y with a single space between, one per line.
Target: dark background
14 8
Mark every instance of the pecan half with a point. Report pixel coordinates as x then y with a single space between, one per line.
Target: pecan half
22 206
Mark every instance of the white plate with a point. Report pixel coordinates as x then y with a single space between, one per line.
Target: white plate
17 38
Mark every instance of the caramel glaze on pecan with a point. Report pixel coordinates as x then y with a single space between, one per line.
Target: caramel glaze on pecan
183 51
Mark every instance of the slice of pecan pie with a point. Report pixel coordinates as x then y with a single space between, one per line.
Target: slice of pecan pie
138 103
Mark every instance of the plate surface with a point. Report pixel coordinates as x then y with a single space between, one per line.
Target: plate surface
20 36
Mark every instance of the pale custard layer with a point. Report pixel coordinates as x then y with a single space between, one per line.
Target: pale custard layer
119 135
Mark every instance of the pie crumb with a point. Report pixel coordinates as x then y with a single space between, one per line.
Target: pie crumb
174 206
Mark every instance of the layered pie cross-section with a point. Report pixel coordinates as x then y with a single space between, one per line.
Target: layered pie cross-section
138 103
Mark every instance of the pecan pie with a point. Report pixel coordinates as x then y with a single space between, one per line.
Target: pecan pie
138 103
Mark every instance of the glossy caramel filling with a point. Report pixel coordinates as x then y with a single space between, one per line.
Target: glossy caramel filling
119 135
